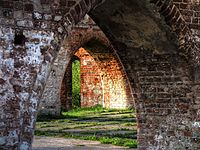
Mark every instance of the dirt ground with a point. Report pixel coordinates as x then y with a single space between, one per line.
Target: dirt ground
50 143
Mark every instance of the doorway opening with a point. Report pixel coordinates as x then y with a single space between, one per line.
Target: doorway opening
76 83
96 99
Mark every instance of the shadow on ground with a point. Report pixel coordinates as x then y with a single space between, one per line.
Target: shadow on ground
115 127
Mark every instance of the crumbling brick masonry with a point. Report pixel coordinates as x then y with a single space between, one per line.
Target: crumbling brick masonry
157 42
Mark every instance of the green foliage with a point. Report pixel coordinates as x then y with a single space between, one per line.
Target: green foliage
82 112
88 111
76 84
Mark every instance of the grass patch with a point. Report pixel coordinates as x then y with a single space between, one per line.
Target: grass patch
109 126
119 141
83 112
94 111
130 124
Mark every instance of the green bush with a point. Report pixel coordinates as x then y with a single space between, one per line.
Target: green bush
76 84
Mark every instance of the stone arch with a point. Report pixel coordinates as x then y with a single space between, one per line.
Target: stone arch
26 67
151 101
108 76
176 17
79 36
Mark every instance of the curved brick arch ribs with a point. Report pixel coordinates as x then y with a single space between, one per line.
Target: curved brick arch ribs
190 13
152 71
187 41
77 38
25 67
77 13
91 92
49 103
82 37
132 91
21 64
175 20
108 76
73 42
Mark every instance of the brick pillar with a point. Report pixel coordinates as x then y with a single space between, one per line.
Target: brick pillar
91 86
66 89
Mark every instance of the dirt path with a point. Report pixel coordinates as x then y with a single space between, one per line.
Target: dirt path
50 143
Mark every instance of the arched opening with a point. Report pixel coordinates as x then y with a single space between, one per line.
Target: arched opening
76 83
154 39
103 83
91 86
70 87
103 80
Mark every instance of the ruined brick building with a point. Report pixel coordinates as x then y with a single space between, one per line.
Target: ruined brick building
157 42
103 80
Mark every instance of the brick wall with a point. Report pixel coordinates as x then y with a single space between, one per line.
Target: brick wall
164 101
103 80
41 27
65 93
164 76
57 94
91 85
31 33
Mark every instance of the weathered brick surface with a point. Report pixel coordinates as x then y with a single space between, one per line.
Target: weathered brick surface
167 103
166 95
49 103
52 98
24 68
91 84
65 94
103 80
165 80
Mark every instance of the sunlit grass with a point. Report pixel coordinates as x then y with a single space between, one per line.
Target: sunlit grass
109 126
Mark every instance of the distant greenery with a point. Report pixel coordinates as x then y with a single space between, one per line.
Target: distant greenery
95 110
109 126
76 84
82 112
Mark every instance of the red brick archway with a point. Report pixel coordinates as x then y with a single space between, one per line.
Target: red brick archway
103 80
81 34
25 64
